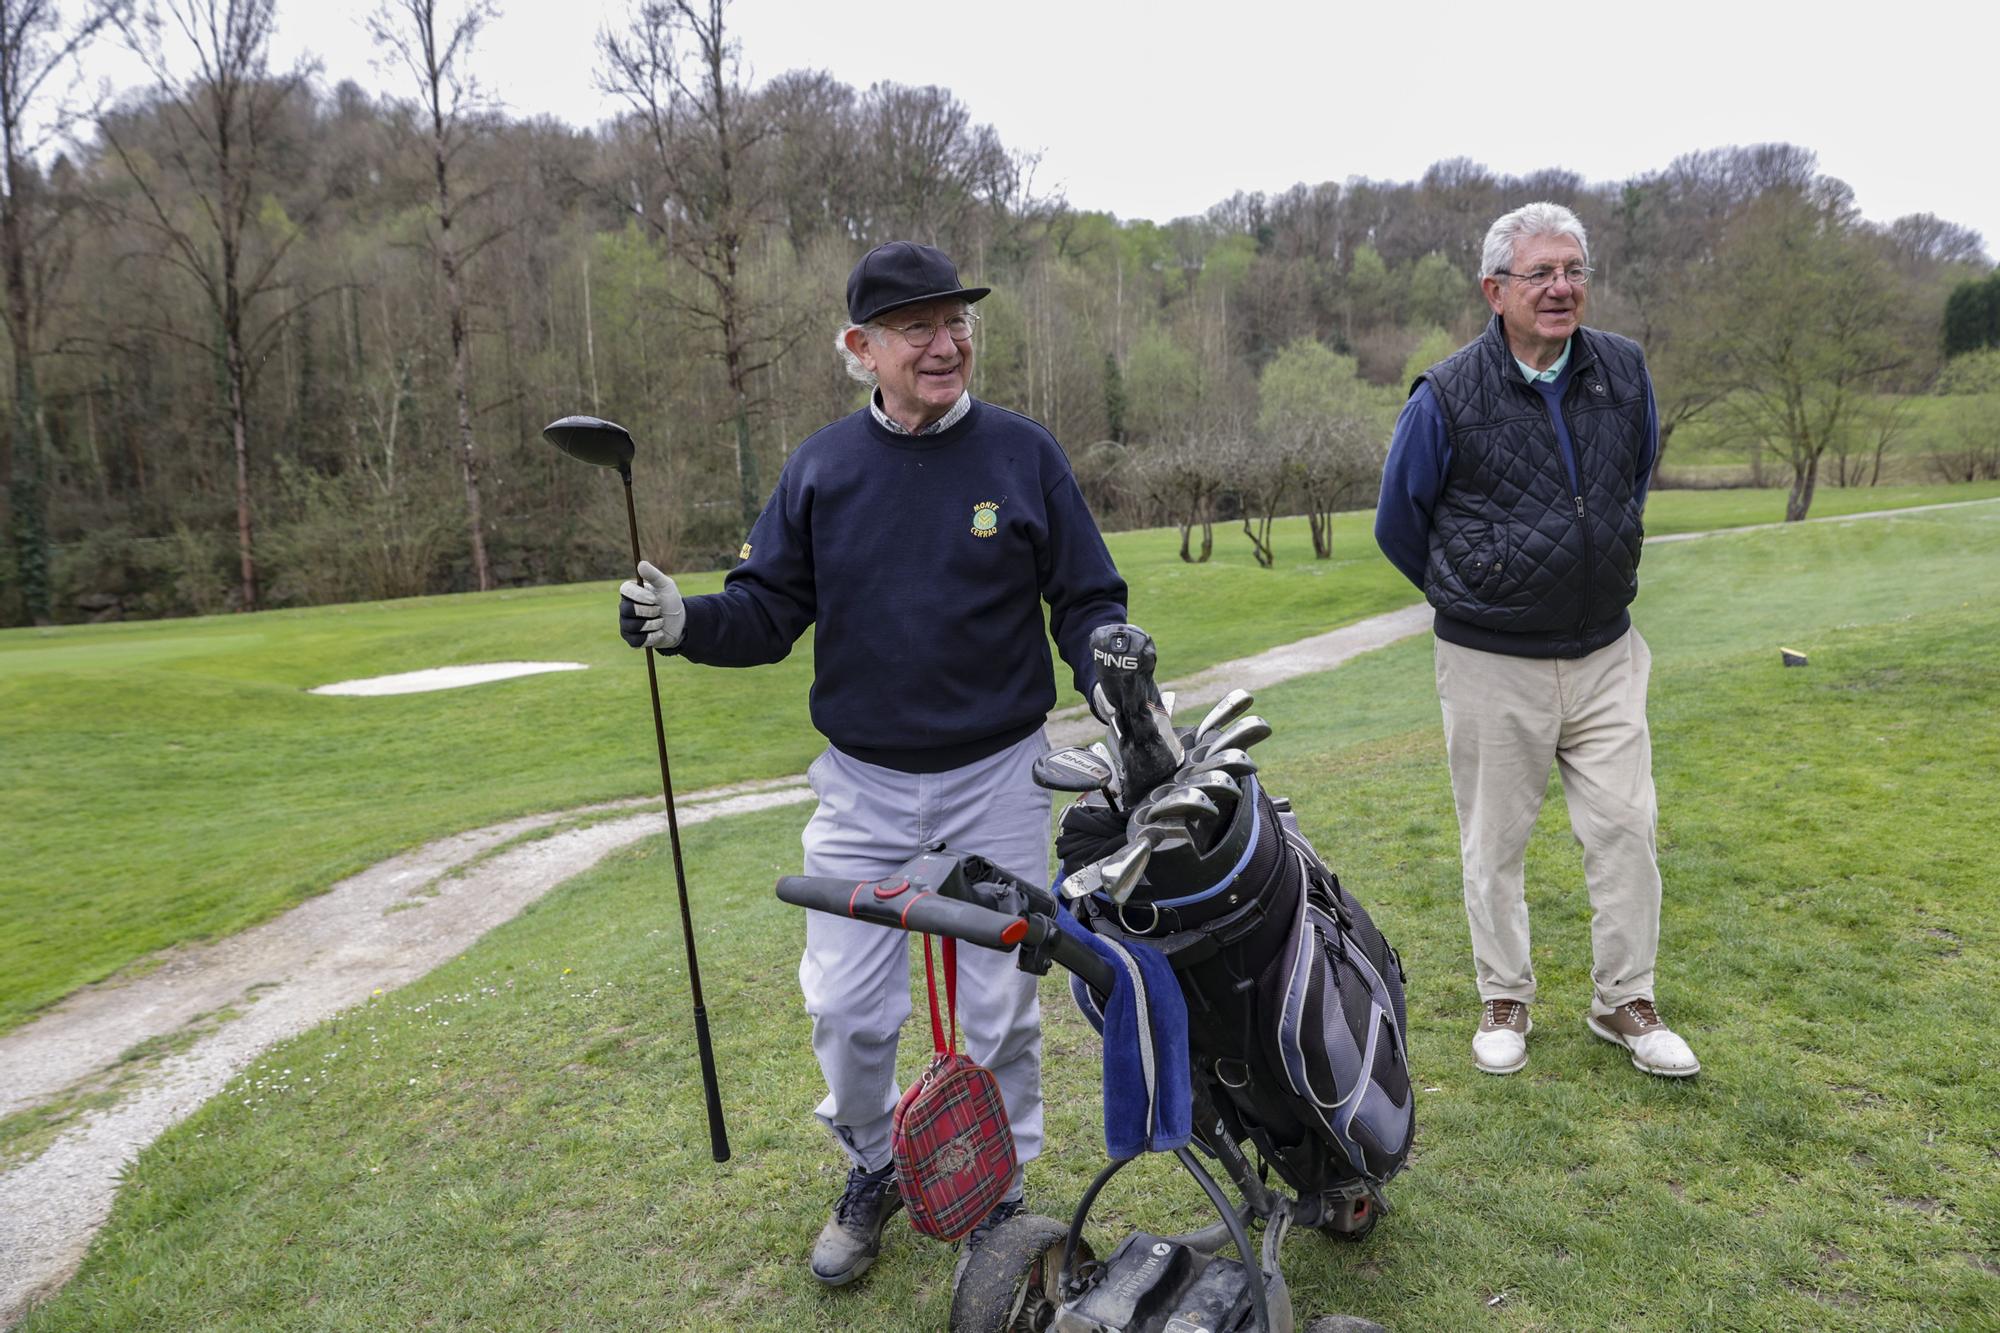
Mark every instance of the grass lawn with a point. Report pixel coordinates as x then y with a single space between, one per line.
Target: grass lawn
171 780
517 1141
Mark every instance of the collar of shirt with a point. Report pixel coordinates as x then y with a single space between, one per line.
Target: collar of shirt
943 423
1531 374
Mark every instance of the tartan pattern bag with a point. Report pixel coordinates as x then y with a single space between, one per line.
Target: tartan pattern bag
953 1146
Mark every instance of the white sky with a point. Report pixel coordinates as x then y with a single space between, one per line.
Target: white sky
1161 109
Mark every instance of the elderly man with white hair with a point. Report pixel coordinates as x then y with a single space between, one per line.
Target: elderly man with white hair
1512 496
919 537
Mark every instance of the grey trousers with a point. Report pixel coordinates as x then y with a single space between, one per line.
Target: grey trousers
856 976
1506 721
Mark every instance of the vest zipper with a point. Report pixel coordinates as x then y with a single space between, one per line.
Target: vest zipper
1582 520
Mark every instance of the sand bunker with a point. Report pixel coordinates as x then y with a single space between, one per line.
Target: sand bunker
444 678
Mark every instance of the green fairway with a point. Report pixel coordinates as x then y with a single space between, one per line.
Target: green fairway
517 1141
170 781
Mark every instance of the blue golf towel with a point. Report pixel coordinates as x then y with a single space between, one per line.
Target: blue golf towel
1148 1087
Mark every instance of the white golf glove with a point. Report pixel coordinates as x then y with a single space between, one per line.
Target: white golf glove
650 613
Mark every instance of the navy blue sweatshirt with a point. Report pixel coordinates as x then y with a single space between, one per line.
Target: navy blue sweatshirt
922 563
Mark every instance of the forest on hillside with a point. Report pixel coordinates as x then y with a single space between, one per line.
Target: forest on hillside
274 340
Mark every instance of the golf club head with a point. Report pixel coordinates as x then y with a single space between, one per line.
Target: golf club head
1225 711
1218 786
1180 803
1083 882
1122 870
591 440
1072 769
1168 835
1241 734
1148 748
1233 762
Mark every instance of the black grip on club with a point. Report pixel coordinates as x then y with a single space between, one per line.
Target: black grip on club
1126 658
718 1134
912 907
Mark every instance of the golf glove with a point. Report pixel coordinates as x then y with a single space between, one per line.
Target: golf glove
650 613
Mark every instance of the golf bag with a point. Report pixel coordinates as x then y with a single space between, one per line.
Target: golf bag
1296 1016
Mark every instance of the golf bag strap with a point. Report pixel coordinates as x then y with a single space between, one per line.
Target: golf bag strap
938 1042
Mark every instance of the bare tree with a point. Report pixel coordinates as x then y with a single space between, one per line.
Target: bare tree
448 100
1802 313
35 48
220 119
702 128
1182 478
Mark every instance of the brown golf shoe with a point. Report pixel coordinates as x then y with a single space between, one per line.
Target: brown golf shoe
1655 1048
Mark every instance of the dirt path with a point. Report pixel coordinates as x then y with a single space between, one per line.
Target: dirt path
378 930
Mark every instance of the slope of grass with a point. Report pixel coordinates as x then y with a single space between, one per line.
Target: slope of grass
517 1141
169 781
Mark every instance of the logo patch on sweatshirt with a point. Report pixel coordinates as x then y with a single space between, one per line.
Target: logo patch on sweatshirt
986 518
744 554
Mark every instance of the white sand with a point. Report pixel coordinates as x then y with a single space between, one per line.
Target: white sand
444 678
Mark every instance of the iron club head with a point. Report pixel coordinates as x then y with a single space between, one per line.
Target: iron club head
1225 711
1122 870
1241 734
1233 762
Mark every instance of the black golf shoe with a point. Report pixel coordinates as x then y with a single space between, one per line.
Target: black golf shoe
976 1237
852 1237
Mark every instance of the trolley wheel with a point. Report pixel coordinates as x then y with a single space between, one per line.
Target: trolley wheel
1343 1323
1009 1282
1354 1222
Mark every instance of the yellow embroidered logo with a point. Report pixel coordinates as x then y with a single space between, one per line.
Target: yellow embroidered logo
986 518
744 554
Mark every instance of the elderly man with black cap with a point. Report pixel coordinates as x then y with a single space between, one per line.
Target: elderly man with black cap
919 538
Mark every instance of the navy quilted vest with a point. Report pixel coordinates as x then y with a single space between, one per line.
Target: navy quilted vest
1519 562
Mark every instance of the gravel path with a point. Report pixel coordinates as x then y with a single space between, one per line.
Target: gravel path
378 930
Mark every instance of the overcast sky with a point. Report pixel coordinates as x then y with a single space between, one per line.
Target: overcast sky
1161 109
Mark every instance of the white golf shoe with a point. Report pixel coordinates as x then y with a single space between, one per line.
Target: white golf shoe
1655 1048
1500 1046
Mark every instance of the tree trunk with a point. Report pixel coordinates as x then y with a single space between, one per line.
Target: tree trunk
461 360
239 431
27 502
1801 498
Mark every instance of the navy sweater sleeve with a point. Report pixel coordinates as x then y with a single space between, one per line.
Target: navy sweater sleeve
766 602
1413 478
1079 582
1642 478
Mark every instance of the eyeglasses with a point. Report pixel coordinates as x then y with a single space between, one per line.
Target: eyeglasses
1576 275
924 332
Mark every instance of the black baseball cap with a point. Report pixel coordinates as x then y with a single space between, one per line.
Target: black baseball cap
900 273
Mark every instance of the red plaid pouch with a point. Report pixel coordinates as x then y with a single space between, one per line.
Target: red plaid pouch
953 1146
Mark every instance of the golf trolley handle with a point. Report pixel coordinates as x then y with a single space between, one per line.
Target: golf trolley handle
931 894
898 902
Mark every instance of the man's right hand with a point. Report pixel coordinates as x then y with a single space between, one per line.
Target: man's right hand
650 613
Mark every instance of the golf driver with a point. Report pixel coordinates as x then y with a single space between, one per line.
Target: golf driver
607 444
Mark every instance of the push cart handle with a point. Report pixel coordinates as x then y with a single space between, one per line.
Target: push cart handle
905 903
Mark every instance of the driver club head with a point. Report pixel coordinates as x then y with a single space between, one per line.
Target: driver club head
591 440
1073 769
1225 711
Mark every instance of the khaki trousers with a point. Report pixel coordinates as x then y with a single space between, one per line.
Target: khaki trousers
1506 720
